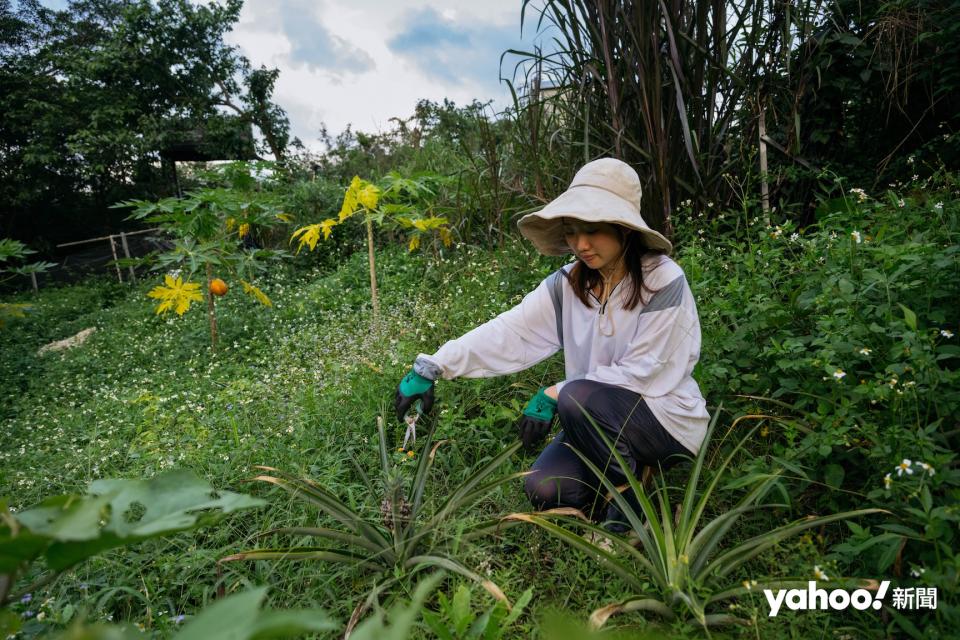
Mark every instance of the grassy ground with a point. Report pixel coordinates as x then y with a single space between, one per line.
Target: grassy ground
299 387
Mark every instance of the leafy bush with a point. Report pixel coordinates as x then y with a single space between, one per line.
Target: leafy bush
846 333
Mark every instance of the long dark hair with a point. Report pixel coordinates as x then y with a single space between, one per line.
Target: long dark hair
582 278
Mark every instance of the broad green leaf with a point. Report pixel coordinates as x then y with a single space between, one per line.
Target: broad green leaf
121 512
833 475
909 317
239 617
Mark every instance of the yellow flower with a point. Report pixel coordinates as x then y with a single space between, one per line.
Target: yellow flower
260 296
175 294
410 454
230 223
244 229
414 243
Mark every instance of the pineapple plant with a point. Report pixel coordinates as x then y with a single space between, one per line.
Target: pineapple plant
406 536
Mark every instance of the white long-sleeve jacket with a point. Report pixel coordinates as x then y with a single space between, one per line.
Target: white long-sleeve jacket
652 351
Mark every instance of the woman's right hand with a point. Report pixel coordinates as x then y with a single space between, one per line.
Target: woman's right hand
413 387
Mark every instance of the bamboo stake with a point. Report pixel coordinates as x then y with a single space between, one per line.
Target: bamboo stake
113 247
126 252
764 186
374 297
211 309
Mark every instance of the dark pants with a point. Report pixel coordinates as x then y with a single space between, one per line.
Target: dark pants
561 479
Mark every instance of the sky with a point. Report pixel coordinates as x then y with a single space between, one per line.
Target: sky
365 61
362 62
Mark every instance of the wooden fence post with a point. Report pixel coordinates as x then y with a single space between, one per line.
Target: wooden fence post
126 252
113 247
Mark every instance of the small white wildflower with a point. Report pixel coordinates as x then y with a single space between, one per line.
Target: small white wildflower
865 351
910 159
904 467
887 481
794 237
860 193
856 236
839 374
927 467
901 203
946 333
820 574
938 206
916 572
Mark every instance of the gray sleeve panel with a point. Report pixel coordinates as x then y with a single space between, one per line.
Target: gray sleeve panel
556 294
667 297
427 369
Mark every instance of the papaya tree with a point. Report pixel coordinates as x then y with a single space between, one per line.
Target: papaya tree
11 252
212 231
399 201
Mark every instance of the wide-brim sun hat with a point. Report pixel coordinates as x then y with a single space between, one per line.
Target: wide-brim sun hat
605 190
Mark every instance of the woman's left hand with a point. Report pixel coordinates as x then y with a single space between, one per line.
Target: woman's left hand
534 423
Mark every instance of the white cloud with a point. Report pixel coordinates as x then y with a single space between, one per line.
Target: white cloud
337 66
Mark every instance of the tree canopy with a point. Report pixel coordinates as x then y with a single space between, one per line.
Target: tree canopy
95 96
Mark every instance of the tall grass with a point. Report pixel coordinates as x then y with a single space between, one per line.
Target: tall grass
669 86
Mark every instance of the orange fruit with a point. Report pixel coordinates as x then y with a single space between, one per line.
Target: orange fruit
218 287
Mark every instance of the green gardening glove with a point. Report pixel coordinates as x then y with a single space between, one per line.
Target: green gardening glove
413 387
537 416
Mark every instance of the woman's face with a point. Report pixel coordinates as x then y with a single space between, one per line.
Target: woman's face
597 244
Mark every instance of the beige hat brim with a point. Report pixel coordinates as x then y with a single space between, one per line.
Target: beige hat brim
544 228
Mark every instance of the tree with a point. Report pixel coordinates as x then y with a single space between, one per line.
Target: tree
94 94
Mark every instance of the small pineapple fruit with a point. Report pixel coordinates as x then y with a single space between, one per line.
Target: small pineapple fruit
394 508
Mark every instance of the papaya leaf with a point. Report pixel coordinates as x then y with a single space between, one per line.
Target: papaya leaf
114 513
